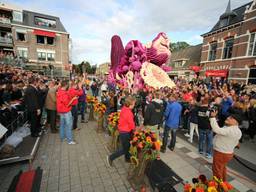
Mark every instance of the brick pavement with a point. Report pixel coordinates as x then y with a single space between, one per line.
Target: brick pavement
82 167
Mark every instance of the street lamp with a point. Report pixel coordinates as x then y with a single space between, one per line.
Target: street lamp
51 67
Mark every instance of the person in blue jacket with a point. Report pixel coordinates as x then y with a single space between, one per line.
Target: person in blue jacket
172 117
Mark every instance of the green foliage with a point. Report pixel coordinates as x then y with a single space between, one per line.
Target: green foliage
85 67
178 46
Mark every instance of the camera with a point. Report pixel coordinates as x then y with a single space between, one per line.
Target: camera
213 108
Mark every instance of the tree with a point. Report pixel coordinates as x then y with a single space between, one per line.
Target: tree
178 46
85 67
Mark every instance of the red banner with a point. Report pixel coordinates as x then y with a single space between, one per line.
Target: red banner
216 73
44 33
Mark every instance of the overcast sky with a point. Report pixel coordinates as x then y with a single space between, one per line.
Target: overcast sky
92 23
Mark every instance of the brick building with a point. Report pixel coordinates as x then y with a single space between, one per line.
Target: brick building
38 39
185 63
229 49
102 69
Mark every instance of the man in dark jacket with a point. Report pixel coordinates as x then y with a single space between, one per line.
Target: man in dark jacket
204 127
31 101
154 114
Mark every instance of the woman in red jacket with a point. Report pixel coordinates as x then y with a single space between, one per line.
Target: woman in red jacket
75 91
64 105
126 125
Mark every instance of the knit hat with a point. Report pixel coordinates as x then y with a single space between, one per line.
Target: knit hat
237 117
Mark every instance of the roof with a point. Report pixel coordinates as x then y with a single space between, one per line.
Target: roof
191 54
235 16
9 7
29 20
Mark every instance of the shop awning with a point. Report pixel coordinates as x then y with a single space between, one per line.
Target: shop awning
44 33
216 73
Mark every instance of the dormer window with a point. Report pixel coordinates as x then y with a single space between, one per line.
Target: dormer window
45 22
223 22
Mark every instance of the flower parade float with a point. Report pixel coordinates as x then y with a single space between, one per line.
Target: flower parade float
91 101
99 109
137 65
144 148
201 184
114 133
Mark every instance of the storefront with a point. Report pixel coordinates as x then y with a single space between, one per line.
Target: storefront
217 73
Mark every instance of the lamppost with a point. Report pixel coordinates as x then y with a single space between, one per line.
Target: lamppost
51 67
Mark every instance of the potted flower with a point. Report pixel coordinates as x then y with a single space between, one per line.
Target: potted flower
91 100
201 184
144 148
112 127
99 109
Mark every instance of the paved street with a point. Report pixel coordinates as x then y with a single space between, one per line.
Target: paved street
83 167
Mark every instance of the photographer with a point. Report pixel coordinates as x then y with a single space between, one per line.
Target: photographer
224 142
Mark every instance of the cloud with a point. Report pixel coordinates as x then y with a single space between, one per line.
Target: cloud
91 23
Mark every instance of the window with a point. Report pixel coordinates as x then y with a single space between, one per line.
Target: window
21 36
252 45
41 56
50 40
223 22
40 39
227 52
179 63
45 22
213 50
17 16
22 52
50 56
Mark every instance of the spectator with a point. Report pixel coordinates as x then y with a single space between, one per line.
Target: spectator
193 119
225 140
172 118
75 91
82 104
64 106
50 106
252 119
154 114
204 127
31 101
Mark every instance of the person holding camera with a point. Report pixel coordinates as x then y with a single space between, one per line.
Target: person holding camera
224 142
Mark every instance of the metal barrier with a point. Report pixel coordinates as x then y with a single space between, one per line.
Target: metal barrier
21 120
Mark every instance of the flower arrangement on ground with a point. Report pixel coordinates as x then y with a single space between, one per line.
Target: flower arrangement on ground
201 184
91 99
113 121
144 146
99 108
143 149
112 127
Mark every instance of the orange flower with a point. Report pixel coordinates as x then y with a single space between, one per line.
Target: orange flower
135 139
199 189
148 139
187 187
157 145
229 186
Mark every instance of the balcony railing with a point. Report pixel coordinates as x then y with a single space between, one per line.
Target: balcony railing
5 40
5 20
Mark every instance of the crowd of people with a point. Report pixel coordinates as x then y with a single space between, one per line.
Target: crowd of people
197 106
40 97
